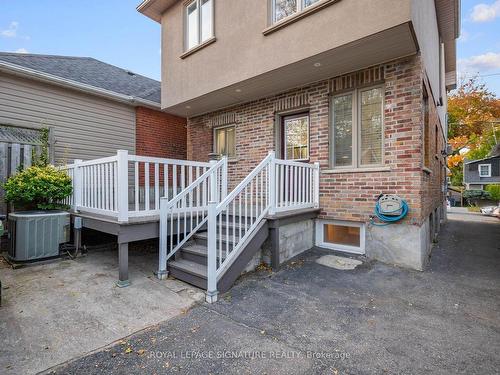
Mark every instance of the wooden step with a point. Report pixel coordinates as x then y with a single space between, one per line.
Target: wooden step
202 238
189 272
194 252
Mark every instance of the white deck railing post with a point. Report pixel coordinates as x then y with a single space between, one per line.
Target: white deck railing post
122 161
77 185
162 264
316 185
224 179
272 184
211 296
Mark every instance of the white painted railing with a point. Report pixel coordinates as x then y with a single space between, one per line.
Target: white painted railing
183 215
296 185
273 186
125 186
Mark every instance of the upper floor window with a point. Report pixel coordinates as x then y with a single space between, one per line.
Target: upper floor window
285 8
484 170
358 128
199 22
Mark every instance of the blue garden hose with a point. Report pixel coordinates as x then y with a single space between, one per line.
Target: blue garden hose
386 219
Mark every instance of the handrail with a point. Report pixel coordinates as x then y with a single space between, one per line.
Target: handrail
194 184
245 182
149 159
189 207
295 163
249 202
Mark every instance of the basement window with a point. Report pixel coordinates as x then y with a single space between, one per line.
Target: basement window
341 235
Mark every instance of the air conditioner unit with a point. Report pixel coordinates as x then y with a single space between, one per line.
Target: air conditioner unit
36 235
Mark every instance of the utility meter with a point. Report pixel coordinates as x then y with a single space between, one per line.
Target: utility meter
390 205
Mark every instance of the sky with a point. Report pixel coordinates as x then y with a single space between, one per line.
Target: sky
108 30
478 48
114 32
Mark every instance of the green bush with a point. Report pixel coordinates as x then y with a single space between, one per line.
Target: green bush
476 194
39 187
494 191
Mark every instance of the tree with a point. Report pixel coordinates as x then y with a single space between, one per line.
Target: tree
473 124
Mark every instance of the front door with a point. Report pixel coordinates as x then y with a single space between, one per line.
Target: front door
294 137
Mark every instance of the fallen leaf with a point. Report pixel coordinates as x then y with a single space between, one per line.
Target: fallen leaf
128 350
141 351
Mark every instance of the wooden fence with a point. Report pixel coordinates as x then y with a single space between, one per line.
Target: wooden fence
18 147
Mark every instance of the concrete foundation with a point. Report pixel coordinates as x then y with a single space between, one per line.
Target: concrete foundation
400 244
295 238
285 241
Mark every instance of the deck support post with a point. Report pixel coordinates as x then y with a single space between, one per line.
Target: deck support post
123 280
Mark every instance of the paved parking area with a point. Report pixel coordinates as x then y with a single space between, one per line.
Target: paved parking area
54 312
310 318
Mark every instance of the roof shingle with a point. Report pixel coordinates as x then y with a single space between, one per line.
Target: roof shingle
91 72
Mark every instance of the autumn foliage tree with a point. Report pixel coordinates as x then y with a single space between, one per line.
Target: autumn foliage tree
473 119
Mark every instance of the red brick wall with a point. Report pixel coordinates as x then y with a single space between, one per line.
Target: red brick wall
348 196
160 134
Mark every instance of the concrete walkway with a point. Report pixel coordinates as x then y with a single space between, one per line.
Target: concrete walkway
310 318
53 312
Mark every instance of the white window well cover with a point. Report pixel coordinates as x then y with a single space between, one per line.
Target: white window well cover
341 235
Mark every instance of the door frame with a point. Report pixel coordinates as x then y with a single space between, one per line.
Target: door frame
280 131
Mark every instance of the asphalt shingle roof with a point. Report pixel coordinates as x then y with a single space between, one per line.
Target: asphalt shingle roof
91 72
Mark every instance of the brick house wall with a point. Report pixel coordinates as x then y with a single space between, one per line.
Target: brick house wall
160 134
343 195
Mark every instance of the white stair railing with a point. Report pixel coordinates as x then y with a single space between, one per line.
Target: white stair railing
233 221
297 185
274 186
182 216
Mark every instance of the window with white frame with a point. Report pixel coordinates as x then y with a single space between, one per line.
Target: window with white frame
284 8
357 128
341 235
225 141
484 170
199 22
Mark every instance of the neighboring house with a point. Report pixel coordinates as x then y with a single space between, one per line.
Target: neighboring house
93 108
358 86
480 173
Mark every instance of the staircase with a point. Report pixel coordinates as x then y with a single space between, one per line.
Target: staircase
190 262
208 236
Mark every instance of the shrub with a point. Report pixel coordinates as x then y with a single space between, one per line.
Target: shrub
494 191
476 194
38 187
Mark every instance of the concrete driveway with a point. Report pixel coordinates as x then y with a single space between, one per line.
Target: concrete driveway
53 312
310 318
